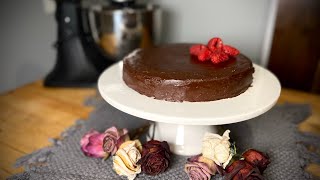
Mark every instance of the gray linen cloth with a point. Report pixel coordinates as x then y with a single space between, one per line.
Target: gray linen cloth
274 132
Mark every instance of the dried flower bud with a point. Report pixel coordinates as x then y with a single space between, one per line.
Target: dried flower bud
199 167
113 139
240 170
155 157
257 159
217 148
91 144
126 158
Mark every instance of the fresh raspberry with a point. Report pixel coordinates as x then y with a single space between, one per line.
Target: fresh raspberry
205 54
215 43
218 57
231 51
196 49
215 50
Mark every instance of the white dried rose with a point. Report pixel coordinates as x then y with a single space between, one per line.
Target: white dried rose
126 158
217 148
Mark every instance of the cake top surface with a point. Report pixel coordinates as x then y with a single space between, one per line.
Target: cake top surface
173 61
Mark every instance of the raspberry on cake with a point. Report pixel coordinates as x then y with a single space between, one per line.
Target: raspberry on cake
171 73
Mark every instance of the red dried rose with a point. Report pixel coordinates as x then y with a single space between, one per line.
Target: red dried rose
155 157
251 167
242 170
257 159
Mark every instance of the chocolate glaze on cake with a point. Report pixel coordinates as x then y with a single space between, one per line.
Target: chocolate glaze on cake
169 73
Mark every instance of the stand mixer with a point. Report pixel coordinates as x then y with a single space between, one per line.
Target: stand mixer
92 35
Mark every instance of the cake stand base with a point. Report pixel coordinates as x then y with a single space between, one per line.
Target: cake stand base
183 140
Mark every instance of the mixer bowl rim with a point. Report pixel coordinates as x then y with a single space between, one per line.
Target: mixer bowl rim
140 9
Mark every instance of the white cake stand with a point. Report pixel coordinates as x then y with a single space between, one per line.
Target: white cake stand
183 124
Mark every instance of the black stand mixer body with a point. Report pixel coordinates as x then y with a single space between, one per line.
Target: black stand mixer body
77 62
80 56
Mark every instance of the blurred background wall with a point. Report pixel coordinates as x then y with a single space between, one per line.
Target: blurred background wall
27 33
26 38
246 24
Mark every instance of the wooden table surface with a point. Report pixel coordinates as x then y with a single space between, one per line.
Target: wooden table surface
32 114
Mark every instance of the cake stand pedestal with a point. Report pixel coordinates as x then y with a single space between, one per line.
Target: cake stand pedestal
183 124
183 139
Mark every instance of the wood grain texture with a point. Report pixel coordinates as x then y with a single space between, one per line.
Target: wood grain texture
311 124
32 114
295 49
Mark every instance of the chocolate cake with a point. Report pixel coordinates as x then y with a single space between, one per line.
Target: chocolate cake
170 73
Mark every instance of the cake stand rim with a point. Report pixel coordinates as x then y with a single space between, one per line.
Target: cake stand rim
180 119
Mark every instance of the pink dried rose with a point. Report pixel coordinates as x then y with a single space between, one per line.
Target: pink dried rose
257 159
113 139
91 144
199 167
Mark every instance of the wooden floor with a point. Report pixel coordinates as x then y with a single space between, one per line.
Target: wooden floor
32 114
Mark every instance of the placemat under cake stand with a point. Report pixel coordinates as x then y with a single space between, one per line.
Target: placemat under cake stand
274 132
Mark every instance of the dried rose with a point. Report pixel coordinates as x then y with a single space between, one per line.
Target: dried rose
217 148
113 139
257 159
199 167
240 170
91 144
125 161
155 157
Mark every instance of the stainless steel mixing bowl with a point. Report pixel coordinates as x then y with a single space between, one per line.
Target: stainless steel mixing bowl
118 31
